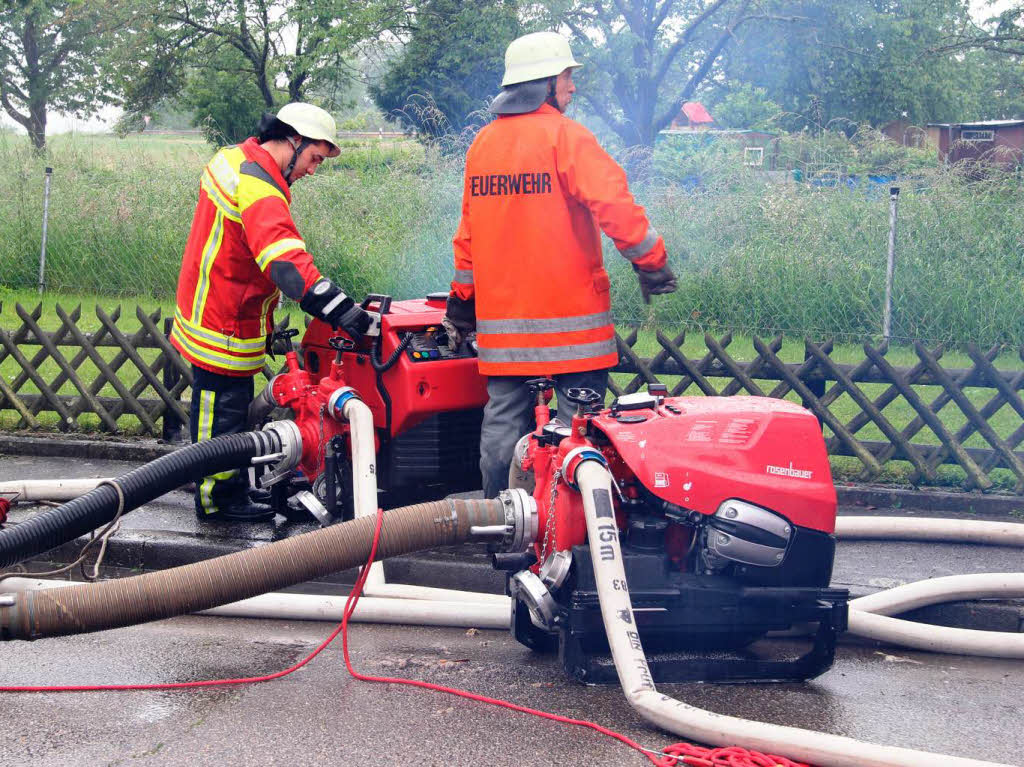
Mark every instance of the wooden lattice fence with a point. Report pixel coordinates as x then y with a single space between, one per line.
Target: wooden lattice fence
125 376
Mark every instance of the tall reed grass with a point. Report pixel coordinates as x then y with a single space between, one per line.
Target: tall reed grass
754 252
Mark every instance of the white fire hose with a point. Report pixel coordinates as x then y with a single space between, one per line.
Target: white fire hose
48 489
688 721
364 485
309 607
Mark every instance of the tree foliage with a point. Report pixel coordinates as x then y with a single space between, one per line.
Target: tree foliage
1001 33
645 58
747 107
280 48
451 63
225 105
49 54
857 61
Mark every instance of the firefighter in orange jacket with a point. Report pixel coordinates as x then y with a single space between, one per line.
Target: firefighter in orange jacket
244 251
529 276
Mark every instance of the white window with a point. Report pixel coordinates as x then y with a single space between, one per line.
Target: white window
753 155
977 135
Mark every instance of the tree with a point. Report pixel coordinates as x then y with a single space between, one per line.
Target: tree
225 105
856 61
452 62
1002 33
48 61
281 47
644 58
745 107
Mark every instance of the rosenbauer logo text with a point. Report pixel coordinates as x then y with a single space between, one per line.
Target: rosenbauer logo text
789 471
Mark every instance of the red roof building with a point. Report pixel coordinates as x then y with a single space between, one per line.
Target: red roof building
693 116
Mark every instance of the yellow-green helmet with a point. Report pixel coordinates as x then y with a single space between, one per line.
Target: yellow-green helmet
312 122
536 56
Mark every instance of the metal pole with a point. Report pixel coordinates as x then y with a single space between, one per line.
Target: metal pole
171 430
894 196
46 216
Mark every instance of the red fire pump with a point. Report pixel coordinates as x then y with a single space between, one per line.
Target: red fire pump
725 505
426 402
726 510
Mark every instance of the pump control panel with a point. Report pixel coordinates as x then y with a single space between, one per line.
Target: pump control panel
431 343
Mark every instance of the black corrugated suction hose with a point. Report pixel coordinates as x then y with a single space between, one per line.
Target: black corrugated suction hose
51 528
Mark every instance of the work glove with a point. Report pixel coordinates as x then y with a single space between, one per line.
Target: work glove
325 301
655 283
459 321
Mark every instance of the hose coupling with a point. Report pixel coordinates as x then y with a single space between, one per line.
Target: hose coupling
555 569
520 529
521 517
337 401
576 458
527 587
287 440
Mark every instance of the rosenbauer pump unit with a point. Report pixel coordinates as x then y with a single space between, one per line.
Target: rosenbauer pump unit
724 505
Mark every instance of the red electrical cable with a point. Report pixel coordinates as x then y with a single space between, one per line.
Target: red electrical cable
350 606
678 753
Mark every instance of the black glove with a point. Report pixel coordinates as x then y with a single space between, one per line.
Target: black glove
325 301
459 320
655 283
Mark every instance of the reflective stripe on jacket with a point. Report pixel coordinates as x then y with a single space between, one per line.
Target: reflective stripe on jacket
242 224
537 193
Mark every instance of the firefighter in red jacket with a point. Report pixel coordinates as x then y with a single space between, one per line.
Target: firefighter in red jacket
529 275
243 251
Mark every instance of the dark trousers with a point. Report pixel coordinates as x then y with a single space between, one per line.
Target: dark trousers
220 405
508 415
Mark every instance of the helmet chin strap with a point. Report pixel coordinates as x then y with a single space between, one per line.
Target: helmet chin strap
297 147
551 93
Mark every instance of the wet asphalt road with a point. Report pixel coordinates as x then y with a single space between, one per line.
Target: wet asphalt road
320 715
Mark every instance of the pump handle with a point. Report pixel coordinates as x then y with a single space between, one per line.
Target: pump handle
537 385
341 344
382 300
583 398
286 337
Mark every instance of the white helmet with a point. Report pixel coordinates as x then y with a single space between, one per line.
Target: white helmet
535 56
311 122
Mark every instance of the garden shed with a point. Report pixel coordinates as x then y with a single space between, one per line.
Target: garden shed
760 149
999 142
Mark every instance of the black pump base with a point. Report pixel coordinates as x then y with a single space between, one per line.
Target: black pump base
693 627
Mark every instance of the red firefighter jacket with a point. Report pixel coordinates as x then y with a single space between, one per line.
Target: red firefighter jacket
538 191
242 224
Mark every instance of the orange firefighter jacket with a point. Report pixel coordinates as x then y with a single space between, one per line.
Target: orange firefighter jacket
242 224
538 190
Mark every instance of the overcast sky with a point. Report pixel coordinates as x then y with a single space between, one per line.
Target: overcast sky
57 123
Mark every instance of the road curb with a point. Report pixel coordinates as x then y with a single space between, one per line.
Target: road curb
139 451
881 497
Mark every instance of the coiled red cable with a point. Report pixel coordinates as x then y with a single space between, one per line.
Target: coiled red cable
678 753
